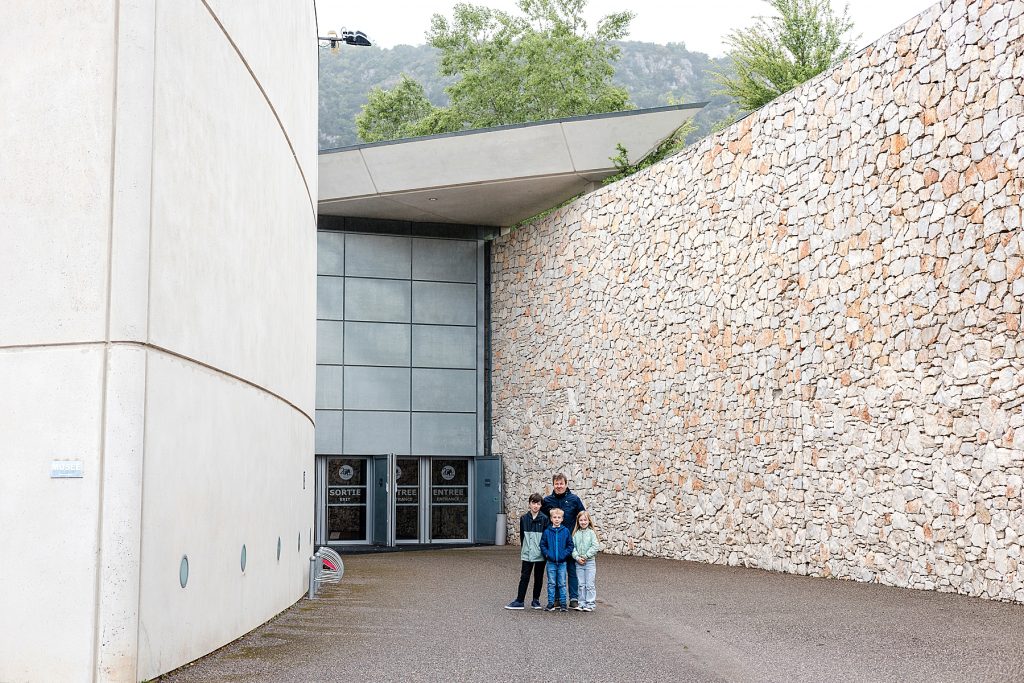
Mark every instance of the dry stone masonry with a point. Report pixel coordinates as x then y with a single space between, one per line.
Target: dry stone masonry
796 345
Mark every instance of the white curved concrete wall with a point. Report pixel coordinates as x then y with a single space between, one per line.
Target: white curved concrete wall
55 204
159 305
231 267
265 31
232 287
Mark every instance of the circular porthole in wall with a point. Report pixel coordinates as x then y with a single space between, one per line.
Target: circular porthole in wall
183 571
243 557
278 548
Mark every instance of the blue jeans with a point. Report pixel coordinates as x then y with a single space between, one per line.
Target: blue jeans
556 583
587 575
574 584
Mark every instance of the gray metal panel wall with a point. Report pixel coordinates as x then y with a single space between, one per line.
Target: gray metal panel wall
436 346
444 303
330 297
330 253
441 390
330 342
444 260
368 388
399 345
329 386
377 344
328 434
378 256
444 433
371 299
369 432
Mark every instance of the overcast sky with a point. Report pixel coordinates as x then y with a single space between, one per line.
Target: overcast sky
700 25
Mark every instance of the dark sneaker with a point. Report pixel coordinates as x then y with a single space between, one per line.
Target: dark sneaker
562 609
550 607
575 604
515 604
535 604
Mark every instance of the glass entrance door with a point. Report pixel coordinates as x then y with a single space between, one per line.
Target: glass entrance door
449 499
432 500
346 500
407 504
384 500
388 500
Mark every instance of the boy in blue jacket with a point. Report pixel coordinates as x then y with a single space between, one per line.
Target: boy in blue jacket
556 546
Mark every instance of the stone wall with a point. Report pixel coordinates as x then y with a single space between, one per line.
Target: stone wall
796 345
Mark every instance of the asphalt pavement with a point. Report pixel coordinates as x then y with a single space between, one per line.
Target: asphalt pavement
437 615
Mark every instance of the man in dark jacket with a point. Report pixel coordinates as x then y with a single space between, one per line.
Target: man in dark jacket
570 504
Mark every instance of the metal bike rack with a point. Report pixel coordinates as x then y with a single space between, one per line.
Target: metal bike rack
320 574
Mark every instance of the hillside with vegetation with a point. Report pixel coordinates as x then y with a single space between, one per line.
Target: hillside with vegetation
654 75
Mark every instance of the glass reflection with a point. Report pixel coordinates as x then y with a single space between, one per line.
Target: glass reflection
449 499
346 499
407 504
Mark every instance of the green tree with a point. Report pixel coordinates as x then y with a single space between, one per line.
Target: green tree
509 69
394 112
779 52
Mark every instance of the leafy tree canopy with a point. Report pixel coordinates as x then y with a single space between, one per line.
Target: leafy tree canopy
397 110
508 69
779 52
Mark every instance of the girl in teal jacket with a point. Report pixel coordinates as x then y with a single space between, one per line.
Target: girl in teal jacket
585 547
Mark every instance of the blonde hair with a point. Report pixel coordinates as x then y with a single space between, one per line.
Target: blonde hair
589 519
556 511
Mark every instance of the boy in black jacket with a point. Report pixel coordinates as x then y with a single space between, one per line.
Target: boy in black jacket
556 546
531 526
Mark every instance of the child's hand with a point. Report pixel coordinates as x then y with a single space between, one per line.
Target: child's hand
582 561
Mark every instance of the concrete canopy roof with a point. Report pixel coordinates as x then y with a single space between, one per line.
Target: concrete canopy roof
489 177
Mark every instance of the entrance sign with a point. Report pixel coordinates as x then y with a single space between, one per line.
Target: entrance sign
450 495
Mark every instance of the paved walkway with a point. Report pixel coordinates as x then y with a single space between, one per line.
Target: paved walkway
437 616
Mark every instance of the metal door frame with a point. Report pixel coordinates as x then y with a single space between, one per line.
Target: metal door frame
390 491
470 491
321 501
422 517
